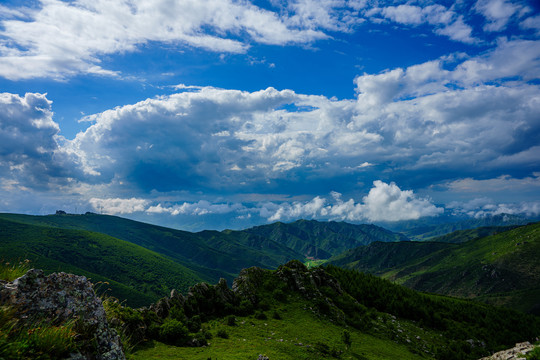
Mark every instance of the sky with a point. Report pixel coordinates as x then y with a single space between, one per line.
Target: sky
214 114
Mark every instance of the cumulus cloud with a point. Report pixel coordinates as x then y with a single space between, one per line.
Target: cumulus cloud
384 202
202 207
437 115
31 151
469 115
114 206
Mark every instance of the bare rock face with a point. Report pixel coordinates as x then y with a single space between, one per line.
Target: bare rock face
297 276
517 352
58 298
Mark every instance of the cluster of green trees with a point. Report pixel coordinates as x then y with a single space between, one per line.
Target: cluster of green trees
468 330
460 321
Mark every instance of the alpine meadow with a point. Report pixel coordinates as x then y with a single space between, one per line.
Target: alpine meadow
269 179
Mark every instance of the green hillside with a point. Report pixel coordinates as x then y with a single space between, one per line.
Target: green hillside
378 258
501 269
461 236
295 313
211 253
321 240
214 254
426 230
133 273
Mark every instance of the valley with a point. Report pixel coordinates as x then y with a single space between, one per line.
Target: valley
278 307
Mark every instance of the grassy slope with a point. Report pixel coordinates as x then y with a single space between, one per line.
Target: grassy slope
277 339
133 272
398 323
211 253
423 230
377 258
501 269
461 236
321 240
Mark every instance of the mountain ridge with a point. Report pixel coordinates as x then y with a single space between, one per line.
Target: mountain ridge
504 263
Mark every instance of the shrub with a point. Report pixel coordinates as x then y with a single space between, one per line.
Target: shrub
346 337
245 308
194 324
260 315
263 305
173 332
222 334
276 315
177 313
279 295
534 355
230 320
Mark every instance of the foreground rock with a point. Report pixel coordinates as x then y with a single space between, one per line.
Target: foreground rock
517 352
61 297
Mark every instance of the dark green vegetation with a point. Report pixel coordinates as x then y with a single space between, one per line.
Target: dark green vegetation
501 269
460 236
142 262
431 228
132 272
296 313
321 240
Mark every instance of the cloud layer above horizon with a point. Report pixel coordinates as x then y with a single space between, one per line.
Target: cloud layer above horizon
459 132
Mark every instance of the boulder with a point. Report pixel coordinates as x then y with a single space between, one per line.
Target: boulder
61 297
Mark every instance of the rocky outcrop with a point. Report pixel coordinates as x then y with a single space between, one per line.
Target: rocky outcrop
61 297
515 353
307 282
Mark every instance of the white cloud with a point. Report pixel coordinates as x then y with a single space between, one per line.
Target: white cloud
334 15
385 202
62 39
31 152
499 184
444 21
434 115
498 13
485 207
532 22
202 207
118 206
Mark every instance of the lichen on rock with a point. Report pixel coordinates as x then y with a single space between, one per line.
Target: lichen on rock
60 298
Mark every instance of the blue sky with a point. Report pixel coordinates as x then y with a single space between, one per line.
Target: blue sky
226 114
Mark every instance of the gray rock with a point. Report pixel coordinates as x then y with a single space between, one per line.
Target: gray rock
58 298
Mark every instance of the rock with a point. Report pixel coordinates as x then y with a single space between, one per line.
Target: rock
263 357
514 353
247 283
61 297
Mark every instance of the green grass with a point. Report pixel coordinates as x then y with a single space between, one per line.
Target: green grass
210 254
279 339
314 263
10 271
133 273
502 269
22 340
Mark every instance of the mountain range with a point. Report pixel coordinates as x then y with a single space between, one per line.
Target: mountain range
103 247
141 262
502 268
